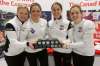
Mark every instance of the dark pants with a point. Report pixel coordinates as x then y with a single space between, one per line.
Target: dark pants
41 56
62 59
79 60
17 60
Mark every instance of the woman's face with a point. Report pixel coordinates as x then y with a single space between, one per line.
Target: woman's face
23 14
56 11
75 14
35 13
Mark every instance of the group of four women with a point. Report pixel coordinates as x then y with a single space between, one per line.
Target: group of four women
27 27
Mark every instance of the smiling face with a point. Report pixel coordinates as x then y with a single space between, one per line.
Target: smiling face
76 14
22 13
56 10
35 12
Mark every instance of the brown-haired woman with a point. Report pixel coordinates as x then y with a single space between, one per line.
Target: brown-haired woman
38 30
81 36
58 30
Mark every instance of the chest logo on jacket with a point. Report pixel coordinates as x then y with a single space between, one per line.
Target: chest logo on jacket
61 27
80 29
32 30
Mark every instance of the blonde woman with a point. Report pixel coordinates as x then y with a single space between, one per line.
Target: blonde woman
16 37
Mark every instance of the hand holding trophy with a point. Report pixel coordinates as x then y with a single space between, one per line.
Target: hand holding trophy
66 43
31 43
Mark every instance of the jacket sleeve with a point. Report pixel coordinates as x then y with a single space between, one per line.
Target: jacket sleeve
87 37
12 36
